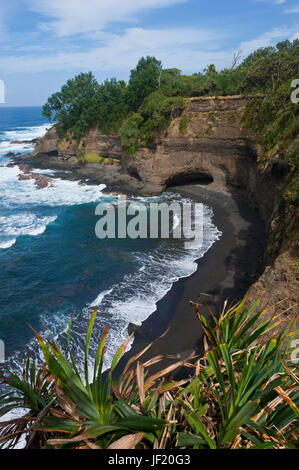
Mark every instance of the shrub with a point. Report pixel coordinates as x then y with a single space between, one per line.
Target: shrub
130 133
92 157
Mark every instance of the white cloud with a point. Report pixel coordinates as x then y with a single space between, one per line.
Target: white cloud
269 38
72 17
188 49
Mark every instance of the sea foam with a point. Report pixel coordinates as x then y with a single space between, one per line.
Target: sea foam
23 199
20 135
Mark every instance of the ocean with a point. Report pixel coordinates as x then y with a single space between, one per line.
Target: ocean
52 263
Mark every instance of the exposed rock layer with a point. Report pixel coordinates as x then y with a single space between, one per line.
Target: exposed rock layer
95 141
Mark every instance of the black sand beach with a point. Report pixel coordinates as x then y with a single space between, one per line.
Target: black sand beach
225 272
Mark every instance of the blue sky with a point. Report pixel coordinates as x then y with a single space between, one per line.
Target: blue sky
45 42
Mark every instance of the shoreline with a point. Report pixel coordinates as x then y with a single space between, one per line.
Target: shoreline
224 272
116 179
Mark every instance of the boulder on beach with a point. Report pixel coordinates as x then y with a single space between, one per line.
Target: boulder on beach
132 328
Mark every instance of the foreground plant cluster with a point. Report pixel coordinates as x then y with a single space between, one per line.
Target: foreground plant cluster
244 393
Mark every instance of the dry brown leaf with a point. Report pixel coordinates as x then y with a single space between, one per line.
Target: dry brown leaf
127 442
58 442
140 381
286 398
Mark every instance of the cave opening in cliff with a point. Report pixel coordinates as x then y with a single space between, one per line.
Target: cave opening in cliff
199 177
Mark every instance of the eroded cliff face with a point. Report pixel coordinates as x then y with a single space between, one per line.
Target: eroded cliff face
204 143
107 146
211 149
208 147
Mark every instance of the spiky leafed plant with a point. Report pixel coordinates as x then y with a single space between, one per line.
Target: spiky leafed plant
245 395
243 392
35 391
100 412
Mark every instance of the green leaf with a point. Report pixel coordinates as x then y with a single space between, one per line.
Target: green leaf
60 424
186 439
125 409
199 427
248 411
204 375
87 344
142 423
264 445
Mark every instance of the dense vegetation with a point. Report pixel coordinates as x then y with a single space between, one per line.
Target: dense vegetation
273 119
142 109
242 394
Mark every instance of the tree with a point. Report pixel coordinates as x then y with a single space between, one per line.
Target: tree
256 55
236 60
143 81
171 83
111 105
74 107
284 45
210 70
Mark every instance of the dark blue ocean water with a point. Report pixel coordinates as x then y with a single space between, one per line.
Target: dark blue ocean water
52 263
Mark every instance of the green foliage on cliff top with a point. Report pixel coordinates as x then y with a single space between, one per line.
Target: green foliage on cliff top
272 119
143 81
153 117
74 106
156 95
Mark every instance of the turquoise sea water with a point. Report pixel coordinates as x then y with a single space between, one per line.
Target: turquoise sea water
52 263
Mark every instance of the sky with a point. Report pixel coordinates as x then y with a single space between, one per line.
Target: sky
43 43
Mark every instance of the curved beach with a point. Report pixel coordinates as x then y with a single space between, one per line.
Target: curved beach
225 272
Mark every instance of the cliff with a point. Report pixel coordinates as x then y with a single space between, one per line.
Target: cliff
203 144
95 141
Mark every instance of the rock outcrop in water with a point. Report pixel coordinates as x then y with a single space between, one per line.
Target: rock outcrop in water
41 182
